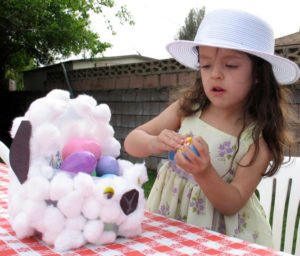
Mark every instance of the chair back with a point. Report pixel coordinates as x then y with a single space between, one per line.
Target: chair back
280 196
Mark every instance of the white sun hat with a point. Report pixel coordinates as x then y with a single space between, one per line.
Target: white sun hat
238 30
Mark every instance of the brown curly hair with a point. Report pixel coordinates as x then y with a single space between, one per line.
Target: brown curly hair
267 105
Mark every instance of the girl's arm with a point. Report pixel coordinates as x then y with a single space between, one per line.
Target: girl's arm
228 198
157 135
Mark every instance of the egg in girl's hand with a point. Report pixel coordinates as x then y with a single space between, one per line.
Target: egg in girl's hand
188 143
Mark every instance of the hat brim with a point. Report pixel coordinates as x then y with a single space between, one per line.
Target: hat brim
285 71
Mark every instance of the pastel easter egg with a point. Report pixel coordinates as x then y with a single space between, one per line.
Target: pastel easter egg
81 161
171 155
80 144
192 147
107 165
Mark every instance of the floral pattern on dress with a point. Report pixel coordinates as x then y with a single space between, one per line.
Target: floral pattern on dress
242 223
164 209
226 151
197 204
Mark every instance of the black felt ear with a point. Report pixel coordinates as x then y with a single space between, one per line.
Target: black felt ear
129 201
19 153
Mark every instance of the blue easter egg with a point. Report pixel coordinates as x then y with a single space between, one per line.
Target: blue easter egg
107 165
192 147
171 155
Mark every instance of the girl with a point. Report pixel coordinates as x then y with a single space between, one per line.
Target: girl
235 116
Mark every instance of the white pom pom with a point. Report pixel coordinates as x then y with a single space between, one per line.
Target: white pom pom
46 138
93 231
84 184
54 220
16 201
137 174
61 185
91 208
83 105
76 223
71 204
37 188
69 239
59 95
21 226
102 112
107 237
34 209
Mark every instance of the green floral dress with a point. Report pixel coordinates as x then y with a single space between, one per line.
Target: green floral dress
176 194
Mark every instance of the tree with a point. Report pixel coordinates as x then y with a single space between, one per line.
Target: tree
38 32
192 21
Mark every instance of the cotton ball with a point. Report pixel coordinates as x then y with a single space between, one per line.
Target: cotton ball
71 204
124 164
34 210
83 105
76 223
69 239
102 112
93 231
42 170
21 226
37 188
111 147
16 201
54 223
84 184
44 110
75 129
107 237
91 208
61 185
137 174
59 94
47 139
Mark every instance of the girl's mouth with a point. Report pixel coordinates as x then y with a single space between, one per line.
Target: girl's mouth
218 89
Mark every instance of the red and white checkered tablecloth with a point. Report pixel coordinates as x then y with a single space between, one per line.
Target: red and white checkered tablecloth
161 236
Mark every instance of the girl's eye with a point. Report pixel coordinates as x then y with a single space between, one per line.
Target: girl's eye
204 66
231 66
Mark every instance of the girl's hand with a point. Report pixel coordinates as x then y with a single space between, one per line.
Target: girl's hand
167 140
190 161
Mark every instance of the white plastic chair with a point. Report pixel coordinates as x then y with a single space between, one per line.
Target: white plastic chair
285 185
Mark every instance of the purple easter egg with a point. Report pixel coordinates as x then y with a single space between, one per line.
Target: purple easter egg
80 161
107 165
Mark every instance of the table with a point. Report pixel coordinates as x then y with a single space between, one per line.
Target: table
161 236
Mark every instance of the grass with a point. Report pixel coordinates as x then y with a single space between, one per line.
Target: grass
148 185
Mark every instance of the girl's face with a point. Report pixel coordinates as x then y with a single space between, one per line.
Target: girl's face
226 76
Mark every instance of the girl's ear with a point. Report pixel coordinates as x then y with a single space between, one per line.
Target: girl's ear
19 153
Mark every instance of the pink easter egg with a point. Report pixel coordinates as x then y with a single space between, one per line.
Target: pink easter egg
79 144
80 161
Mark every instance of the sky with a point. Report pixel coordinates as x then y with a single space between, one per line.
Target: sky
157 22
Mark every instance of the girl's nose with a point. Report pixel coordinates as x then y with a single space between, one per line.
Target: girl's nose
216 72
